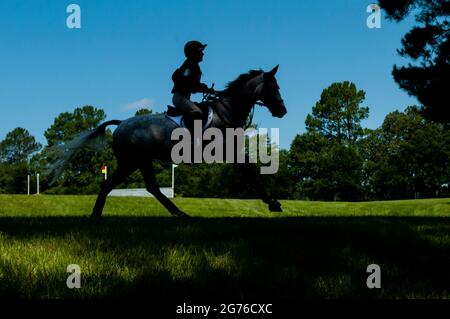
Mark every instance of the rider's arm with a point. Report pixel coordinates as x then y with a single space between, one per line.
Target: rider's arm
201 88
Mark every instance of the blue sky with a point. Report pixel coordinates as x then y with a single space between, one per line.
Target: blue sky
125 52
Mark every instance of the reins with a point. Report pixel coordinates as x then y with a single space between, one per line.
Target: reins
218 99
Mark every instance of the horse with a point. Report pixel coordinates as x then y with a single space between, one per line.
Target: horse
139 140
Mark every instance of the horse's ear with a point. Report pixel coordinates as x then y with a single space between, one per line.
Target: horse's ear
274 70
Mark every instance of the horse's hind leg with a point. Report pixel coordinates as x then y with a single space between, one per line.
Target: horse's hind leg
152 187
112 181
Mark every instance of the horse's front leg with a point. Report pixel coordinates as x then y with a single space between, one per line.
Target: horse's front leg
249 172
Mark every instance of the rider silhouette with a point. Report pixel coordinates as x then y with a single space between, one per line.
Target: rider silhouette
187 81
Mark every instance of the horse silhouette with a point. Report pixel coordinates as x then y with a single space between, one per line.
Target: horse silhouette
139 140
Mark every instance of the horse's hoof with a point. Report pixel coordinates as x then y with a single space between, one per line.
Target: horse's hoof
95 216
181 214
275 206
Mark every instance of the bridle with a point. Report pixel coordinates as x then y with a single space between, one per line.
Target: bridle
217 98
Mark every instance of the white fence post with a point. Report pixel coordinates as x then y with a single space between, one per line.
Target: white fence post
173 180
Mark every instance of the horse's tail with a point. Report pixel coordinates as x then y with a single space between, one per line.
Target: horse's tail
66 152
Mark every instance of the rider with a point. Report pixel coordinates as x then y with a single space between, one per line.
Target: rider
187 81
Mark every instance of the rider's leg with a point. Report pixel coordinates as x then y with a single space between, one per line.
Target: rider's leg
187 106
191 111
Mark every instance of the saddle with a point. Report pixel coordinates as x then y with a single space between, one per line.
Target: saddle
178 117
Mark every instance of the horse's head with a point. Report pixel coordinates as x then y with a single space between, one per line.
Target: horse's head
249 88
268 92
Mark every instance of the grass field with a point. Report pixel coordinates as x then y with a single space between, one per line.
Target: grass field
230 249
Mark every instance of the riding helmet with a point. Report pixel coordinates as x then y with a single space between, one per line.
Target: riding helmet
193 46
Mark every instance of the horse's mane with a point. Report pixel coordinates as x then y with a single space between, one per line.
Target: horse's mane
235 87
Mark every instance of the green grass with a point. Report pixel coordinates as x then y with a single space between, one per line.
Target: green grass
230 249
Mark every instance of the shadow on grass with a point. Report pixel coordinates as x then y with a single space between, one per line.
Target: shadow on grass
292 257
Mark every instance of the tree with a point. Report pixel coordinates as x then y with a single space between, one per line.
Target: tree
143 111
66 125
325 161
406 156
15 153
427 44
324 169
18 146
13 178
338 114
